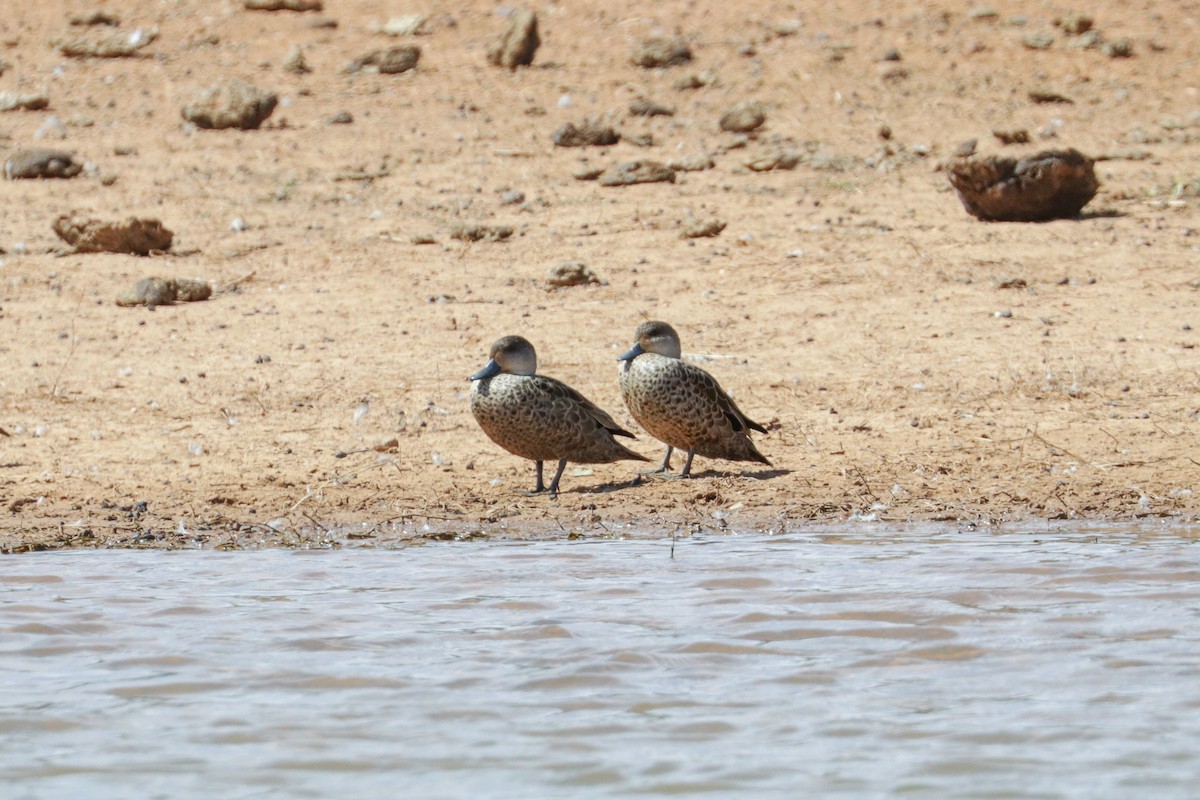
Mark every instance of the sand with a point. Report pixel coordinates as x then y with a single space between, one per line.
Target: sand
913 364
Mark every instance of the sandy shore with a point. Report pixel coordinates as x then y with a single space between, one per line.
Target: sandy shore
911 362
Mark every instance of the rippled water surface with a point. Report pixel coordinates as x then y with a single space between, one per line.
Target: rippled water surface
859 664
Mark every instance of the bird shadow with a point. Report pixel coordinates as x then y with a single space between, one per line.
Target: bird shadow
759 475
1101 213
642 479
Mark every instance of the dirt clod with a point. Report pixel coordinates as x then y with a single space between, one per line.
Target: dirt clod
116 45
1053 184
519 44
13 101
648 108
1119 48
662 52
295 62
570 273
391 61
282 5
693 81
26 164
1039 40
776 159
1018 136
702 228
1048 96
589 133
93 18
744 118
481 233
136 235
230 104
1074 24
155 291
698 163
641 171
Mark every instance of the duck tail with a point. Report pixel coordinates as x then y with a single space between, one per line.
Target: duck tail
630 454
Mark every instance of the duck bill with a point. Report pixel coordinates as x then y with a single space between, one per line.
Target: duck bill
489 370
632 353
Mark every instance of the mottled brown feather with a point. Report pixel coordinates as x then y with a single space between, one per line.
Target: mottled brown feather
543 419
683 406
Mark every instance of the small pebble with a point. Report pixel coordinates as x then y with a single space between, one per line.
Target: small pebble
51 128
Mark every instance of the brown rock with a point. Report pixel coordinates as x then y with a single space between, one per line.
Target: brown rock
11 101
519 43
589 133
1019 136
691 164
192 291
93 18
1053 184
136 236
1043 96
743 118
117 45
692 81
481 233
155 291
893 73
1119 48
641 171
777 159
231 104
1039 40
295 62
282 5
391 61
655 53
702 228
648 108
570 273
26 164
1074 23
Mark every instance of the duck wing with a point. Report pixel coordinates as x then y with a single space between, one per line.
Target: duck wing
568 396
737 418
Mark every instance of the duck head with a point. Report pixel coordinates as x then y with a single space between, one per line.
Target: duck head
511 354
653 337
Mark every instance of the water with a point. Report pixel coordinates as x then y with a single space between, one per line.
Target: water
833 664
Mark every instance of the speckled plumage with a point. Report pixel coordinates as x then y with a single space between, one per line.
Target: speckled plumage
681 404
540 418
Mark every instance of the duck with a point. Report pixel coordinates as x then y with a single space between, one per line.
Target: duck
540 418
681 404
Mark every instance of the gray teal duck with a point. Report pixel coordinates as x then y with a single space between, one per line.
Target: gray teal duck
681 404
540 418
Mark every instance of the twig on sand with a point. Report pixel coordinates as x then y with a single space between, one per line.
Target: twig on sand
236 283
1052 446
71 352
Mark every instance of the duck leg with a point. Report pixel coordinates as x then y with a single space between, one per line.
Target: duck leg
664 467
541 487
562 464
687 466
